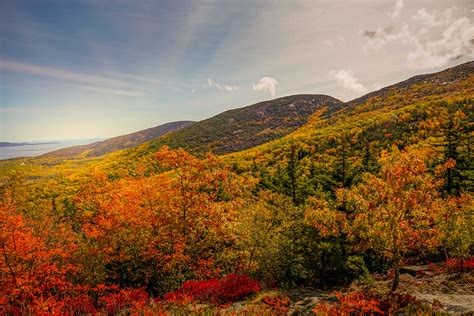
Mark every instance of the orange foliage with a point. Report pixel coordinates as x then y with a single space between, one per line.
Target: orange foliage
34 263
181 220
349 304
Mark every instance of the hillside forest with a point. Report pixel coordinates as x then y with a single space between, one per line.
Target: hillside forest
339 203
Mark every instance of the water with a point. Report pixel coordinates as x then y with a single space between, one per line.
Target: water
39 149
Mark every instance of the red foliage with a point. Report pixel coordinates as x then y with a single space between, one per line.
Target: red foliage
79 305
450 266
349 304
232 288
124 299
201 290
369 304
279 304
236 287
396 301
34 263
459 265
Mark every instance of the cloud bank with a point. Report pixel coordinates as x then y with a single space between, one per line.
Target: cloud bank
434 39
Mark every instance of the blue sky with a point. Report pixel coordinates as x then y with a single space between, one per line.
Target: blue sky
89 68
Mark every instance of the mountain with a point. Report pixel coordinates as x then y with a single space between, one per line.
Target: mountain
120 142
245 127
411 112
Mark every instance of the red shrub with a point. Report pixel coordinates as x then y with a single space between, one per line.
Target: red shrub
229 289
236 287
450 265
201 290
458 265
176 297
79 305
279 304
349 304
124 299
396 301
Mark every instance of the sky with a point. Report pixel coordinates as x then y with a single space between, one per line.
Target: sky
90 68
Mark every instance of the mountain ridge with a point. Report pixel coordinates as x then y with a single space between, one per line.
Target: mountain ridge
247 126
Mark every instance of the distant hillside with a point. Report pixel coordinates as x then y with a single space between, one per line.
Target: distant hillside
246 127
7 144
120 142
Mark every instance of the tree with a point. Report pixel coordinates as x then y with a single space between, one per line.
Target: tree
392 214
158 231
456 131
395 212
35 262
456 224
342 167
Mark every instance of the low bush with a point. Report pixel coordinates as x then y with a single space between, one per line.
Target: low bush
355 303
232 288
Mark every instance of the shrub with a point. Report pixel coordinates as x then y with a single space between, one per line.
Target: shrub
357 303
232 288
459 265
236 287
279 304
349 304
124 299
79 305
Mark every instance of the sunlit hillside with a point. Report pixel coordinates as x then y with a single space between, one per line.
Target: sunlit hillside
363 188
291 157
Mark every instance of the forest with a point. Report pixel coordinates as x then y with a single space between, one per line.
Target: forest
340 206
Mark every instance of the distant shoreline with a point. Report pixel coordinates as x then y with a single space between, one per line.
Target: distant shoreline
7 144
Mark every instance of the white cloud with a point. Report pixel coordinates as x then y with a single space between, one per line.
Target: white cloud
347 80
397 8
426 18
456 42
214 84
433 40
434 18
266 84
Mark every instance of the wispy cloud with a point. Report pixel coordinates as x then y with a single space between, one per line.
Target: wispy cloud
266 84
88 81
347 80
381 37
218 86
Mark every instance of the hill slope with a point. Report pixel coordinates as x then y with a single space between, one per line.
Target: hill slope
120 142
246 127
346 139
